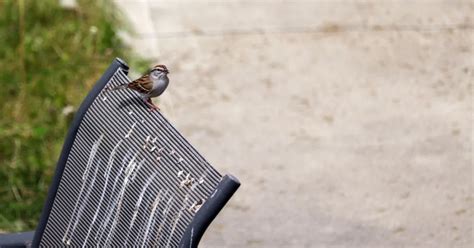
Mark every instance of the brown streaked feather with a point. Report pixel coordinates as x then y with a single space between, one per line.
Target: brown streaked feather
142 85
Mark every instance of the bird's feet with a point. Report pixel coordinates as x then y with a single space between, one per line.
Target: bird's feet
154 108
151 107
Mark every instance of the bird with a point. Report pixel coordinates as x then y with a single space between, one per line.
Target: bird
150 85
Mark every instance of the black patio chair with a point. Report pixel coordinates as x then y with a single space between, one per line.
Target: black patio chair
126 177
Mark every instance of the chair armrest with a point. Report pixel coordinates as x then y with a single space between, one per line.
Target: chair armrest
22 239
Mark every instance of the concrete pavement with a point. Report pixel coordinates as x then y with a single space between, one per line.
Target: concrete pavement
349 123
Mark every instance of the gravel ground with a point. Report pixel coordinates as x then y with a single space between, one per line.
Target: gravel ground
349 123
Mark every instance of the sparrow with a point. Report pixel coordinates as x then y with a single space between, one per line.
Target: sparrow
149 85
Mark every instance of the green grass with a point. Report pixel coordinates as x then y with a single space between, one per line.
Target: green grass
49 59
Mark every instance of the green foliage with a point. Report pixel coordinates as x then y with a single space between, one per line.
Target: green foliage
49 59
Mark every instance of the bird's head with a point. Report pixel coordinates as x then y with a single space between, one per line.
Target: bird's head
159 71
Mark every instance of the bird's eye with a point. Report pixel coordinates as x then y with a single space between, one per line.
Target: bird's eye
155 74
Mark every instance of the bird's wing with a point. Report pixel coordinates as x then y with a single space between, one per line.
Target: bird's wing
142 85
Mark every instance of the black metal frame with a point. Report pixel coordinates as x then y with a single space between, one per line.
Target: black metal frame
209 210
116 64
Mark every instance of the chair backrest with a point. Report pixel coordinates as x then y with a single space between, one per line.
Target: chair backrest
127 177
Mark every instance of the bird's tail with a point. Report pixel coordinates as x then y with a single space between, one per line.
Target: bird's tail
118 87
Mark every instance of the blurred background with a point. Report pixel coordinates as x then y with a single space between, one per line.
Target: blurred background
348 122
